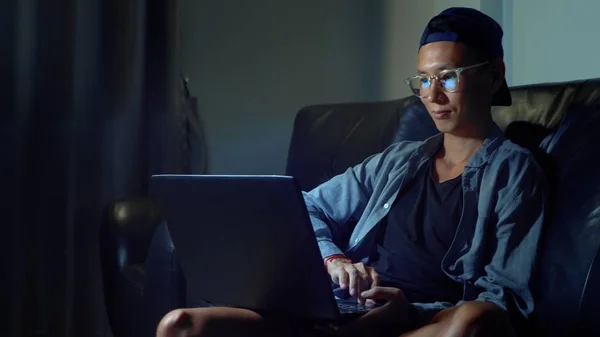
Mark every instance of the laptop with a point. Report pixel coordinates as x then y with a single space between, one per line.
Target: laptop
246 241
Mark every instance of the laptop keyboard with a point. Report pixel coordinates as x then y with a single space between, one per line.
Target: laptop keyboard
351 307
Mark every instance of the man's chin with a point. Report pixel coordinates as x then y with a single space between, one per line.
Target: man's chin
445 127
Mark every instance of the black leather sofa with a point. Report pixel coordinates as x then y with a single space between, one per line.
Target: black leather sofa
559 122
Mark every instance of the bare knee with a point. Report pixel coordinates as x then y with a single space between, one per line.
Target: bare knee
478 318
473 312
174 324
185 322
216 321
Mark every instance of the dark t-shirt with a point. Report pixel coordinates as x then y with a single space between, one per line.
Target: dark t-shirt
416 235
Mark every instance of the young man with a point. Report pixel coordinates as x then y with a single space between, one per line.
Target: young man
447 229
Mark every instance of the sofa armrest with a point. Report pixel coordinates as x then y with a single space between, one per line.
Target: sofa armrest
589 306
126 229
165 287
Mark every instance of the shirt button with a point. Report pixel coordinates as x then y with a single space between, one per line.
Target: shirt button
386 206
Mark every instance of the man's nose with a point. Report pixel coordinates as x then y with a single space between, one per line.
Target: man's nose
435 91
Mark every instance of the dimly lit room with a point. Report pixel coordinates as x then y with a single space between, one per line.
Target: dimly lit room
333 168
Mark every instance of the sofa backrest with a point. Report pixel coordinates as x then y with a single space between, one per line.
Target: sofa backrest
559 122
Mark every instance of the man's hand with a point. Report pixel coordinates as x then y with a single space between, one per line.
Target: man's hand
356 277
392 296
390 318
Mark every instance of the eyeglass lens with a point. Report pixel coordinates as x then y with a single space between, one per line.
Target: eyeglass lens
447 80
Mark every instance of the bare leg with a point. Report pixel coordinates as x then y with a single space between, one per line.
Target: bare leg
221 322
477 319
472 319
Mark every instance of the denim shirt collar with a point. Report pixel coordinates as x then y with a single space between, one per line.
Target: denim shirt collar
432 144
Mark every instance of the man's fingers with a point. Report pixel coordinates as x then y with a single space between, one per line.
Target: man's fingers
363 273
374 278
382 293
357 278
353 279
364 281
343 278
374 284
370 303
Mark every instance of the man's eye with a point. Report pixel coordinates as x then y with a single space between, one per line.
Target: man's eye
449 81
451 76
425 82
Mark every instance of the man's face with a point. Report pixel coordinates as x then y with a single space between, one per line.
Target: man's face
459 112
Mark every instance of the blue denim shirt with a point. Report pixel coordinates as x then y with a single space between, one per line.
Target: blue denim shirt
496 242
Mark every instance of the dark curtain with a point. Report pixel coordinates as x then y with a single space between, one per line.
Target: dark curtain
89 93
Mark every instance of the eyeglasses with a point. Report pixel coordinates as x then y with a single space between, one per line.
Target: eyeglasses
449 80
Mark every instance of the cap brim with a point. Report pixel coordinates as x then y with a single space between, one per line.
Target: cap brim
502 97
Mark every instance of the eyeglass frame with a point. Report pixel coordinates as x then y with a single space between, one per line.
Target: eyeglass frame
458 71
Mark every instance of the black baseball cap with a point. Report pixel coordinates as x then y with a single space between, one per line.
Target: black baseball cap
474 29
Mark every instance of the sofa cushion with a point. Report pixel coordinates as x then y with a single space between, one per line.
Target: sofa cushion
572 237
327 139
